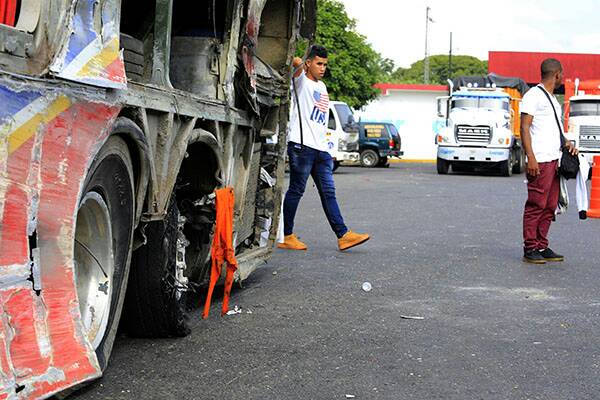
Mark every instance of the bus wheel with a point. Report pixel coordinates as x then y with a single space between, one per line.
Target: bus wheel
103 236
157 293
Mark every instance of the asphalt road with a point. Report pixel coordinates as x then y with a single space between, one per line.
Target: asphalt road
444 248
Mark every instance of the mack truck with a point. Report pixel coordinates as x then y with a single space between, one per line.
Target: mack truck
482 125
119 120
582 116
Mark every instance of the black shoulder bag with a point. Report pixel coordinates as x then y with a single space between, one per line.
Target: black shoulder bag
569 164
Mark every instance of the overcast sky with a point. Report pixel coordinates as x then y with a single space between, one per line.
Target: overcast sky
396 28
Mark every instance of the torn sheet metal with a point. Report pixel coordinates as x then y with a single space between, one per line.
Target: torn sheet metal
47 141
251 39
92 53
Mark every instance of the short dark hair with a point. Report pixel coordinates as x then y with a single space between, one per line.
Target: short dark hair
550 66
318 51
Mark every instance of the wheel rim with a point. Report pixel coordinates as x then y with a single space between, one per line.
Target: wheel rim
369 159
94 265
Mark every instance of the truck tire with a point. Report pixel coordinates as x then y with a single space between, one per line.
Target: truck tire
519 165
369 158
383 162
443 166
506 167
156 299
103 241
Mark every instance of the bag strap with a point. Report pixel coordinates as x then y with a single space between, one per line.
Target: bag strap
560 131
298 105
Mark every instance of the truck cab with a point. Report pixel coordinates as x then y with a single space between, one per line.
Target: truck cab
342 134
480 130
582 111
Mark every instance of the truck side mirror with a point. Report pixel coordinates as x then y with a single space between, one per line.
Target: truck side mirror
350 120
442 106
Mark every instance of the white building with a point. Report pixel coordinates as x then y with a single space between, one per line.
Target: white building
413 109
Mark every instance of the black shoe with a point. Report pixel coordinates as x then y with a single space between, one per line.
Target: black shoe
549 255
534 256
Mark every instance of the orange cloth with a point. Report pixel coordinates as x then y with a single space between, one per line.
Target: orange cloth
222 248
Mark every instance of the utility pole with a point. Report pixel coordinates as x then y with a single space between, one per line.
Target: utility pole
450 59
426 60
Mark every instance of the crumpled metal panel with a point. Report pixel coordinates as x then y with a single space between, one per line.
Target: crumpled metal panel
92 53
47 141
255 9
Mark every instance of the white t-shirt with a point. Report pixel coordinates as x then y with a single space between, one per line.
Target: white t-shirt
314 109
545 136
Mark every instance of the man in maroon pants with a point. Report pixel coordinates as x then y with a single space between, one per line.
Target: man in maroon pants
541 132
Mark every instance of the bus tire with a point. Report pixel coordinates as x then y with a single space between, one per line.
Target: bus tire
103 241
156 300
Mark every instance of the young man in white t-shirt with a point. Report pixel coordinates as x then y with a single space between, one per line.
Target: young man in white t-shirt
308 152
542 135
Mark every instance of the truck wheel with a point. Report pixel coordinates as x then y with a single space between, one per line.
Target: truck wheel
102 249
157 292
369 158
519 165
442 166
383 162
506 167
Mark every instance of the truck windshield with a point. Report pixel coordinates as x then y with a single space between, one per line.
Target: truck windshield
480 102
584 108
344 112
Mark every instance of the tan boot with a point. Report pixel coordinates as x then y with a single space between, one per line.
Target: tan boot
291 242
351 239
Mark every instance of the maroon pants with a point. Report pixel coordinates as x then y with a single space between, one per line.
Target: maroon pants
542 200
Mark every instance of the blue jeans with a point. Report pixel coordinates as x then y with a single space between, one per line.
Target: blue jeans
305 161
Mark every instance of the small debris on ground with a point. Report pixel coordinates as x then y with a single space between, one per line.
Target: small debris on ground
411 317
350 396
274 272
236 310
366 286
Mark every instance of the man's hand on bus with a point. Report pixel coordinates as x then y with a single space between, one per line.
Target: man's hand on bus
297 68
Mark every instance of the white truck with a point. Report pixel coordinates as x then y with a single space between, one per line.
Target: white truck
582 116
342 134
482 126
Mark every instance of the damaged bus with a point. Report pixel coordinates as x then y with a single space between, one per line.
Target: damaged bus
119 120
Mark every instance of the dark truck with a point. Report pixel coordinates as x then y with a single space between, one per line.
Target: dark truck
119 120
378 141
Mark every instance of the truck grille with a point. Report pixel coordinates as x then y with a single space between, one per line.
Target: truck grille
589 136
473 134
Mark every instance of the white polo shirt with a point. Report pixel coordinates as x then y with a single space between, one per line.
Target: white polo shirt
545 136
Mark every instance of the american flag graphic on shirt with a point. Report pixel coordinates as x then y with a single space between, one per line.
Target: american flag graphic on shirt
321 101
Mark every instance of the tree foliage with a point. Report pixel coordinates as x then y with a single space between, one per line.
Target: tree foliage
438 69
354 67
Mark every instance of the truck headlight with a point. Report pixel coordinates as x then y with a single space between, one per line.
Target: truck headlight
342 145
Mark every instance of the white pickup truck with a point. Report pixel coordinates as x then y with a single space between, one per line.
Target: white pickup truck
342 134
